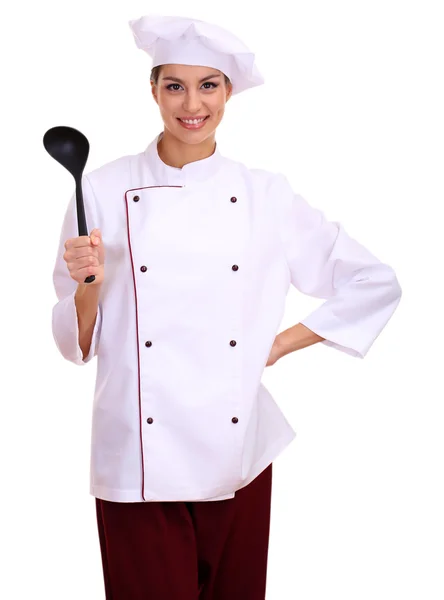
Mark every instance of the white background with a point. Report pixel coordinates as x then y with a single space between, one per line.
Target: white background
352 113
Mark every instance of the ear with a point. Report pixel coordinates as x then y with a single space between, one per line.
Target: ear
229 91
154 91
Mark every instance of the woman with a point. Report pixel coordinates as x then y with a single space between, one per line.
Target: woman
193 254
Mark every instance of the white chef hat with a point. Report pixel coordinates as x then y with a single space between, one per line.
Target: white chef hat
185 41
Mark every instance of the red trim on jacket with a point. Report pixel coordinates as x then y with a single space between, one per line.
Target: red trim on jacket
137 322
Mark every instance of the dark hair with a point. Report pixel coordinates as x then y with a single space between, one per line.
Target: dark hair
155 72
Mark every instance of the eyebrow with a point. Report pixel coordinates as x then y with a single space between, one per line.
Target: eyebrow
180 81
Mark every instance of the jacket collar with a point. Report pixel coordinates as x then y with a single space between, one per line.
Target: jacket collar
194 172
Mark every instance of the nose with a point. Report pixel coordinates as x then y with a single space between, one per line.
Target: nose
192 102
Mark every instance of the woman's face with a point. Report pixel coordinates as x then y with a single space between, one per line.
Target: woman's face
189 92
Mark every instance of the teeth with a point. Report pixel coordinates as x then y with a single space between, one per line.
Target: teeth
193 122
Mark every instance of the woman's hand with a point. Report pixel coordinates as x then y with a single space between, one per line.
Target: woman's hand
84 256
276 352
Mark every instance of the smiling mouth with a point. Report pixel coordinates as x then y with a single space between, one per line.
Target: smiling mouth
191 121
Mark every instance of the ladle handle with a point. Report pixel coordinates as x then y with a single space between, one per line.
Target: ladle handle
81 220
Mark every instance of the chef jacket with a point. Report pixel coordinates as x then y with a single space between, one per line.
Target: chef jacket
198 263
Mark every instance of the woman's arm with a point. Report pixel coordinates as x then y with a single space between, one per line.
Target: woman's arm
78 309
296 338
87 303
361 293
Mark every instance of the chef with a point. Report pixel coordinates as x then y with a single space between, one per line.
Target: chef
193 255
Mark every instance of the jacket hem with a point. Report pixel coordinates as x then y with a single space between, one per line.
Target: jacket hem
116 495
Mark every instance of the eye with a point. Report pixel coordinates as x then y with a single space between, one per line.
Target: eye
171 85
168 87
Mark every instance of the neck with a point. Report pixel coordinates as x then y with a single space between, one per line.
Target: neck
175 153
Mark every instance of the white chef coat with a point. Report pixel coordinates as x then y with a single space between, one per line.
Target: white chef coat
197 268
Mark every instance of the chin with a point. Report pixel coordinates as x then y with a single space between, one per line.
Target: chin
192 137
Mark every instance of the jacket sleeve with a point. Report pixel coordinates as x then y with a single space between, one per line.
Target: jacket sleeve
361 293
64 315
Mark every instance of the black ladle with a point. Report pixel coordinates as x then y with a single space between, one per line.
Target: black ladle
70 148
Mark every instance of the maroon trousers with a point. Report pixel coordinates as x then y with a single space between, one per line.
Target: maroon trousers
214 550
